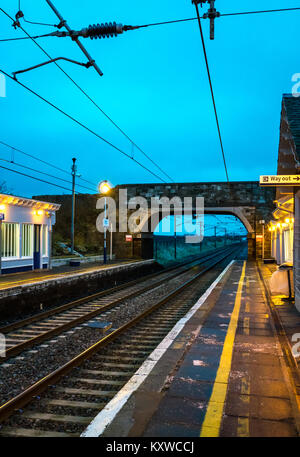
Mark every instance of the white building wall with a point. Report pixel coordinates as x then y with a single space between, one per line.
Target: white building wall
27 215
288 245
297 251
282 244
278 245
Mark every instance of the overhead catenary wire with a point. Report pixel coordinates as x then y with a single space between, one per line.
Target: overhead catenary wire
76 121
109 118
34 23
35 178
42 161
175 21
43 173
94 103
26 38
211 90
39 23
157 24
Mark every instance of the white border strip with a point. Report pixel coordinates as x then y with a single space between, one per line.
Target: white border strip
107 414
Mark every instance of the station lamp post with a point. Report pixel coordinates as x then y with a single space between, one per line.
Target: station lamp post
262 222
2 218
104 187
74 169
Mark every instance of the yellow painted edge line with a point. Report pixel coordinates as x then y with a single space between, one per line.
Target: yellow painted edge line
243 427
37 279
213 417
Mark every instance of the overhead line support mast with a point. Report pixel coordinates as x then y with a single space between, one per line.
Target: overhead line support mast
211 14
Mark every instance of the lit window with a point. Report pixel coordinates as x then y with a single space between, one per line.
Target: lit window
45 241
288 245
10 239
27 240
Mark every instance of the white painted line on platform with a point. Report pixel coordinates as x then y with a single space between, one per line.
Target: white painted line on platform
107 414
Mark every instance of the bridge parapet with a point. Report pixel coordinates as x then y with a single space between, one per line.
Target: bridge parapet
243 199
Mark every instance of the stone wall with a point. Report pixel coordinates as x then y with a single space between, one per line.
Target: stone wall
245 199
19 301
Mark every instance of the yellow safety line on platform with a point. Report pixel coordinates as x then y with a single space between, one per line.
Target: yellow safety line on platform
243 427
32 280
246 325
5 285
213 417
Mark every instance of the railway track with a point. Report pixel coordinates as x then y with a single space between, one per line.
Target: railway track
64 402
25 334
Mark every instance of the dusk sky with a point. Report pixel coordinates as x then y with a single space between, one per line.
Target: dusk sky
155 87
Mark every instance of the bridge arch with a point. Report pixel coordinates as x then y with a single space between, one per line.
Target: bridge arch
244 199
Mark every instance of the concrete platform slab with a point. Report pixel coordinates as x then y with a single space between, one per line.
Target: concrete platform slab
230 378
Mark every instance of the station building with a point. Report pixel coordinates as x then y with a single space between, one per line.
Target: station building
285 226
26 229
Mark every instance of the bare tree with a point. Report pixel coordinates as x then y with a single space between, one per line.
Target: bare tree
4 188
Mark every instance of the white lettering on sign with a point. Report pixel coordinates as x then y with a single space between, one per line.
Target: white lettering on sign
279 180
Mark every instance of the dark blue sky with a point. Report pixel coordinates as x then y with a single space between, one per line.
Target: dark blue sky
208 222
155 86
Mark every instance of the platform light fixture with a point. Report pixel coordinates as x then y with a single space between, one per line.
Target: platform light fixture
2 207
287 220
104 187
38 212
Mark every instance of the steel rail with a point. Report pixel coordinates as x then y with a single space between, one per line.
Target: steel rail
40 386
49 334
40 316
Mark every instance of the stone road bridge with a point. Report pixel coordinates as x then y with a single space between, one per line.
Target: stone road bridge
246 200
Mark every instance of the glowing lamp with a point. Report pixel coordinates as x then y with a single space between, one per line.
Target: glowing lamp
2 207
104 187
287 220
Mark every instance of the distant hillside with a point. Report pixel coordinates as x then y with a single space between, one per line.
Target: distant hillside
87 238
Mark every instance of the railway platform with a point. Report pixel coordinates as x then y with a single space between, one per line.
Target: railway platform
24 293
229 368
12 280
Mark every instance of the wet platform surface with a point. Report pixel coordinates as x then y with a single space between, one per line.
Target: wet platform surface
227 373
